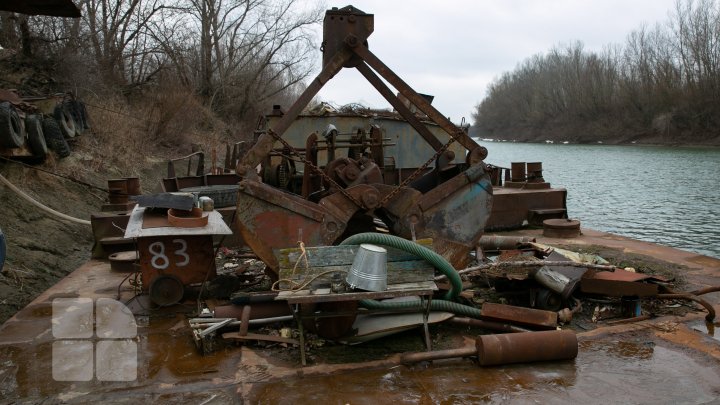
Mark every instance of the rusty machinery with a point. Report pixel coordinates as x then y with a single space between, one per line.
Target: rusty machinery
447 198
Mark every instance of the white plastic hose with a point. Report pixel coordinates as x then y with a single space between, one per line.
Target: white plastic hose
41 206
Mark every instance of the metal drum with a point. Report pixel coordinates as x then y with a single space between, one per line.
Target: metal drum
369 269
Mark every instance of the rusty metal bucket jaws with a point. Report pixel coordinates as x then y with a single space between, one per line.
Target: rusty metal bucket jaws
271 219
453 214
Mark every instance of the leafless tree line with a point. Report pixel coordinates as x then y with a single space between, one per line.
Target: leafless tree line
664 80
237 55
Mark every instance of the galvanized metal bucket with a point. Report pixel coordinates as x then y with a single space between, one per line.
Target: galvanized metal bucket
369 269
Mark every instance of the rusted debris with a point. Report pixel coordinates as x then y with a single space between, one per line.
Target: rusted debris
446 197
526 347
508 348
620 283
523 316
500 242
497 326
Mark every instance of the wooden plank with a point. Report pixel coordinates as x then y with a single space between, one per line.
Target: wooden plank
402 267
424 288
398 272
338 255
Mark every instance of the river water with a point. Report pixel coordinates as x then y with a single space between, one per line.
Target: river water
666 195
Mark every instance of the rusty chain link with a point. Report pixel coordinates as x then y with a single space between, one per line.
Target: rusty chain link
307 163
416 173
344 192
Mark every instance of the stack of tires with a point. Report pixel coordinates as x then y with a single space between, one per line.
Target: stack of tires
43 131
13 133
69 120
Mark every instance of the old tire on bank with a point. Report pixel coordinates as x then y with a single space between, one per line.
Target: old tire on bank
11 135
36 136
65 121
78 113
54 137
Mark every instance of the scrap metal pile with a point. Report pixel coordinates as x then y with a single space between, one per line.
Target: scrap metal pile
335 178
349 215
446 197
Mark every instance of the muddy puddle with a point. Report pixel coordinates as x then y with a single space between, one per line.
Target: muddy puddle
625 368
168 366
604 372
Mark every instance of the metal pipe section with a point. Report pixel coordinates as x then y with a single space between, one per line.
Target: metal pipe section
494 350
684 296
210 321
706 290
260 310
508 348
503 242
498 326
407 358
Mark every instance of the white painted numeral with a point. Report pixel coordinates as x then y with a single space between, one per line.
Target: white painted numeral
160 261
182 252
158 251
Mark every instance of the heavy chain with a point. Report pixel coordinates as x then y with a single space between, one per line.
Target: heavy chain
308 163
416 173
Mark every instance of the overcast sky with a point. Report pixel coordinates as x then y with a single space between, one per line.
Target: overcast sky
453 49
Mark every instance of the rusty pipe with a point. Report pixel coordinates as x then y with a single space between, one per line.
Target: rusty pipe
527 347
706 290
503 242
690 297
499 326
507 348
407 358
260 310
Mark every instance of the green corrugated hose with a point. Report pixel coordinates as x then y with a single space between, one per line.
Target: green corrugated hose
433 258
435 305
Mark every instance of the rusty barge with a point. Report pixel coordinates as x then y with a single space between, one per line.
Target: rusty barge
174 313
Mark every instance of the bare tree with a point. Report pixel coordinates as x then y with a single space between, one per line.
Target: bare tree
250 50
117 31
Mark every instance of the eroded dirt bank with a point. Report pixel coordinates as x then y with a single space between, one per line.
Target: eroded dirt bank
41 249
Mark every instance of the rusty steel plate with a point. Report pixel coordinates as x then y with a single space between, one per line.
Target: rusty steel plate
524 316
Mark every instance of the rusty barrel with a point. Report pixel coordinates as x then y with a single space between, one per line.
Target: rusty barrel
118 192
517 171
526 347
133 185
534 172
